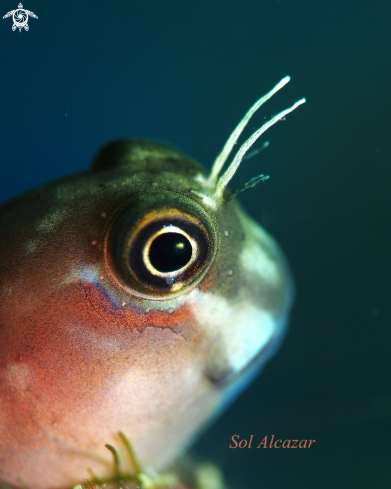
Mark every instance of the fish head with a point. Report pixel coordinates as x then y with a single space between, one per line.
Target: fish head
131 301
137 297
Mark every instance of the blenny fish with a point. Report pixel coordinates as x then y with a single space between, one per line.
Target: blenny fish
137 297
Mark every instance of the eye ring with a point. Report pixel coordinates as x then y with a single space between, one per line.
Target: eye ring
175 273
133 231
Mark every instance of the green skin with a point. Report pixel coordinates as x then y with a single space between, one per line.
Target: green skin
88 350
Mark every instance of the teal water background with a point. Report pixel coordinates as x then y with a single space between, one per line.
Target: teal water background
185 73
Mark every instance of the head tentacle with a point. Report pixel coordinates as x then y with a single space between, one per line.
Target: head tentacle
223 156
251 183
230 172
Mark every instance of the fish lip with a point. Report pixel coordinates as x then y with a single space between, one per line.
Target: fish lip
228 377
225 379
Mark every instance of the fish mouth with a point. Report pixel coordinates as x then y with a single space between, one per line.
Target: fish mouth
226 376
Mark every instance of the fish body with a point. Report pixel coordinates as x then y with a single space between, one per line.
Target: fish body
131 300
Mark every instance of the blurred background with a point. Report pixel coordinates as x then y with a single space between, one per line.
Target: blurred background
185 73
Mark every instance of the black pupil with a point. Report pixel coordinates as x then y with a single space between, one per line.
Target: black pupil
170 252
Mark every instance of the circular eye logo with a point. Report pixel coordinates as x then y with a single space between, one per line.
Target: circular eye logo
20 16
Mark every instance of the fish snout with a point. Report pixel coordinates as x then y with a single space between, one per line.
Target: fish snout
248 319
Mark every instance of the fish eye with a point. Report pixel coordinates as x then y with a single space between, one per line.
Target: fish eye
169 251
161 244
